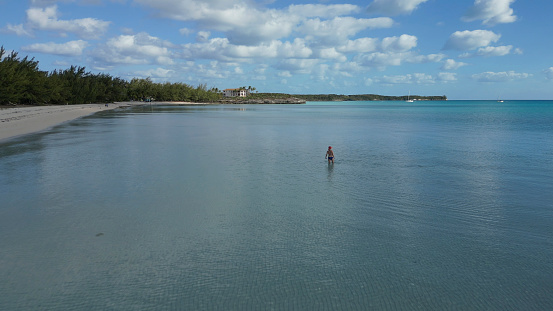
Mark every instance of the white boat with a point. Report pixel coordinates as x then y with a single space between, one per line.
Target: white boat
408 98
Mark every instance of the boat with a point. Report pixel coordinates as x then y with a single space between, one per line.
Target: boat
408 98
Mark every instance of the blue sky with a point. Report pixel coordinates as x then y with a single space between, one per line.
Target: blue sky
465 49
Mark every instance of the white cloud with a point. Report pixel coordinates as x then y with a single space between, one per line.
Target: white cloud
298 48
260 69
203 36
470 40
347 69
72 48
262 26
333 43
135 49
17 29
390 51
494 50
549 73
222 49
423 78
491 12
402 43
246 23
361 45
302 66
284 74
47 19
339 29
320 72
381 60
186 31
211 70
216 48
243 23
157 73
421 59
500 76
490 51
450 64
331 53
394 7
195 10
447 76
416 78
238 70
325 11
269 50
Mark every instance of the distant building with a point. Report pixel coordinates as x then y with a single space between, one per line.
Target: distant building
236 92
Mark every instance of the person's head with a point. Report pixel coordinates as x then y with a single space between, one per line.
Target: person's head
329 147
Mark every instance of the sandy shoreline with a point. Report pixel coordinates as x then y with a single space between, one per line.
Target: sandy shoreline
25 120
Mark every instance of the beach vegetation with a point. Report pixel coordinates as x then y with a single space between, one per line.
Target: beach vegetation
23 83
20 79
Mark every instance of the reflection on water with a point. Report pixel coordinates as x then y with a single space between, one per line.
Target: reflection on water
190 108
330 171
431 206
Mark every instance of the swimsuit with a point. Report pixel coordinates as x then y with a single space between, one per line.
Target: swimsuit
330 158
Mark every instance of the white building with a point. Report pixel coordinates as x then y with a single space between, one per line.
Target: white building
236 92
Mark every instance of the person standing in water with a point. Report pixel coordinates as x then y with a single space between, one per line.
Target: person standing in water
330 155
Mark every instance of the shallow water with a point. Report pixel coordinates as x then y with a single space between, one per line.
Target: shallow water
431 205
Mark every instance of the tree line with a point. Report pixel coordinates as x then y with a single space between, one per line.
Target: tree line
23 83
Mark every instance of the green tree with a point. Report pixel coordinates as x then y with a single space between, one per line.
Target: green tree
20 80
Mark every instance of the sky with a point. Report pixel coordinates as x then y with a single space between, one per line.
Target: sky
464 49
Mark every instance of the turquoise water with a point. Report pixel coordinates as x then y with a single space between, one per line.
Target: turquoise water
429 206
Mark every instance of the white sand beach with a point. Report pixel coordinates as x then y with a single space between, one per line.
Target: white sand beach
24 120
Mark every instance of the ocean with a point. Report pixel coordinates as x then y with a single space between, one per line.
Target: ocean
443 205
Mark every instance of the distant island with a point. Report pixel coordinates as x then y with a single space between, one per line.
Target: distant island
365 97
263 98
281 98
